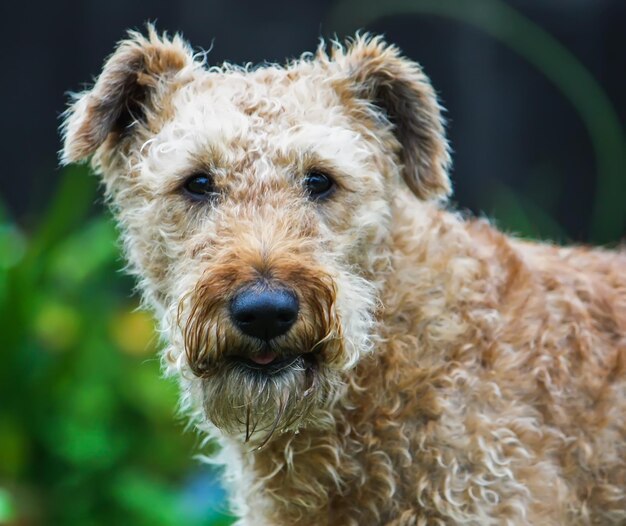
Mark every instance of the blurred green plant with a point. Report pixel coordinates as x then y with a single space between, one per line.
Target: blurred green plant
87 428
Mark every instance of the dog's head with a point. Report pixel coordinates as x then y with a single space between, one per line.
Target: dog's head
255 205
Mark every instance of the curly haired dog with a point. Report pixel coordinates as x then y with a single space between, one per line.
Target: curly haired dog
362 355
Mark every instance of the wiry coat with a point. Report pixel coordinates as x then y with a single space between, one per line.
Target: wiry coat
449 374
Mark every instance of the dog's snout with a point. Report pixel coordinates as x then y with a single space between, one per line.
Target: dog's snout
264 313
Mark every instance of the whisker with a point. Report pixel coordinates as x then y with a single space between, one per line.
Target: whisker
279 415
247 423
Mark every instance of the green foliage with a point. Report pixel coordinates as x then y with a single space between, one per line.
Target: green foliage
88 432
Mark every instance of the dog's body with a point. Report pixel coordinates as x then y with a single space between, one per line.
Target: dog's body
416 368
495 396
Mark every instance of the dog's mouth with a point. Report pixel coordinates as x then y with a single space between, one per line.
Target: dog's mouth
272 363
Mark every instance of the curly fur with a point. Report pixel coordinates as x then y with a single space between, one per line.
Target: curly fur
450 374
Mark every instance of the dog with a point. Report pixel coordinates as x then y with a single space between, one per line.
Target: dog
362 354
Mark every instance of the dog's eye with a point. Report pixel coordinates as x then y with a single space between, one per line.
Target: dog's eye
199 186
318 185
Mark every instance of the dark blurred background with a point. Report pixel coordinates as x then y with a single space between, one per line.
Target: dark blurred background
536 97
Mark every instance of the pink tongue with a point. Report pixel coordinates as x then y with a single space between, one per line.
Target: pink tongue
264 359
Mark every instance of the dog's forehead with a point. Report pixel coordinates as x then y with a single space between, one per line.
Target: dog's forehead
266 100
273 93
269 112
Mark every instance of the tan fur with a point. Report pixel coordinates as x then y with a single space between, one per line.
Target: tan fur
452 375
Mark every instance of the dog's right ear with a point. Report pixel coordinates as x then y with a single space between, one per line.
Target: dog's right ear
141 71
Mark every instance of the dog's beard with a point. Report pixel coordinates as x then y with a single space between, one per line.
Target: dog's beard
253 404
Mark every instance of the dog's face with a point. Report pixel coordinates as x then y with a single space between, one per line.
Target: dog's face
255 207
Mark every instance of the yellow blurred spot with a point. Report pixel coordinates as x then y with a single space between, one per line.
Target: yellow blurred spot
133 332
56 326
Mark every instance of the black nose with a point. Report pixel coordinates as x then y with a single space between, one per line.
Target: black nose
264 313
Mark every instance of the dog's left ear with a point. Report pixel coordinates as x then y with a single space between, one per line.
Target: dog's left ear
399 88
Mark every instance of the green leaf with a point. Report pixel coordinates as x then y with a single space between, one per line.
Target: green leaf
70 205
146 497
12 246
85 252
7 509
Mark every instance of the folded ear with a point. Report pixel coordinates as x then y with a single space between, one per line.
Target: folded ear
399 89
134 79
